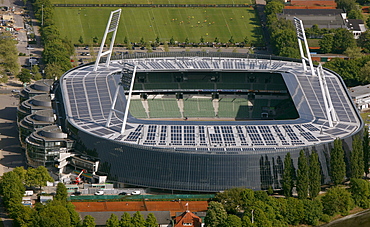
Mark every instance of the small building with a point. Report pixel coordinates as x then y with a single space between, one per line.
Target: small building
45 198
361 96
356 26
27 201
325 18
187 219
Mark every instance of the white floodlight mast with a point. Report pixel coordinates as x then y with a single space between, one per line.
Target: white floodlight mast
329 108
301 35
132 72
112 26
128 101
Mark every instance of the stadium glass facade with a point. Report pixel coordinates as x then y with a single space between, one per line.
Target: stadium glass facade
160 163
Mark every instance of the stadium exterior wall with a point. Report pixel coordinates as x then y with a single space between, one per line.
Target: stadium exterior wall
192 171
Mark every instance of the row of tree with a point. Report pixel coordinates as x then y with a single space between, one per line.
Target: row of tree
8 57
240 207
137 220
355 71
57 50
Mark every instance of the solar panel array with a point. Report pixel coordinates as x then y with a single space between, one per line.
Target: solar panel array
216 63
88 99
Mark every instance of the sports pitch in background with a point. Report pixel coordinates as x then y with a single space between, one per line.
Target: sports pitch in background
164 23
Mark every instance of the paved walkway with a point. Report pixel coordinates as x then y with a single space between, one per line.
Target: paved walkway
10 152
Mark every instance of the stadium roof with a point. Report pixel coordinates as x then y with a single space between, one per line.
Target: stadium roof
88 98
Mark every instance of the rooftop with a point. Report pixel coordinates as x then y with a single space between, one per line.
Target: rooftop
88 98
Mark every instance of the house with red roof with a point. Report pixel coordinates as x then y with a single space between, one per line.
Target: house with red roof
188 219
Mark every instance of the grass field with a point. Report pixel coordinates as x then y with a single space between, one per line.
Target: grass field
151 2
149 23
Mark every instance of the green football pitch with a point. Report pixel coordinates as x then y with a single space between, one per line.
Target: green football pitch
164 23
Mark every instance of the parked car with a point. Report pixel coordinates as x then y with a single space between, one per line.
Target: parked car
136 192
122 193
99 193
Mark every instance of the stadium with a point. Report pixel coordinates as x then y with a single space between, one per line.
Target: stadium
203 121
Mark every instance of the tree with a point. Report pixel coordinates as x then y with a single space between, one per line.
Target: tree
25 75
172 41
312 211
231 40
360 190
348 5
201 39
125 220
57 51
232 221
337 200
246 40
294 212
326 43
288 176
151 220
12 188
95 39
53 70
21 172
81 40
36 73
22 215
302 176
337 164
355 14
353 52
186 40
88 221
234 199
53 216
342 40
73 214
365 146
157 40
61 192
38 176
138 220
216 214
314 175
357 158
274 7
365 74
8 55
112 221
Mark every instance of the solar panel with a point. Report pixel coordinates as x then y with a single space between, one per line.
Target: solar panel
227 133
254 135
176 135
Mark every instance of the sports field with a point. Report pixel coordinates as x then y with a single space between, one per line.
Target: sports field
149 23
151 2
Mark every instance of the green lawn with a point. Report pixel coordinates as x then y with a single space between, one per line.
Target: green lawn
151 2
149 23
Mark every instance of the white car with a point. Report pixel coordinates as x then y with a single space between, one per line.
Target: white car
99 193
136 193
